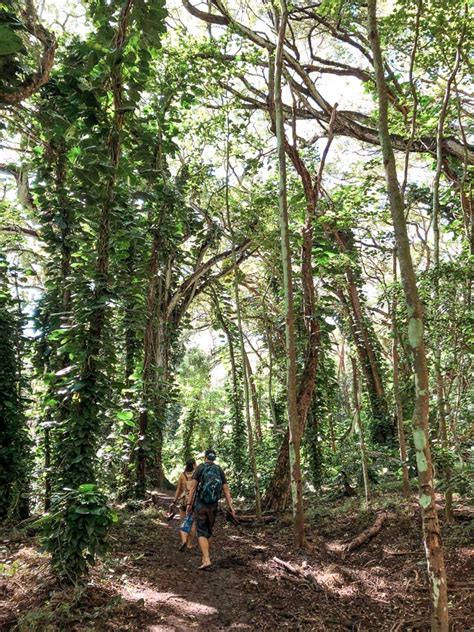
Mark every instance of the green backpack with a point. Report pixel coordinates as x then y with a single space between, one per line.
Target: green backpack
210 485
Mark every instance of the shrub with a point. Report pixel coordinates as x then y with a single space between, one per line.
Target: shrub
75 531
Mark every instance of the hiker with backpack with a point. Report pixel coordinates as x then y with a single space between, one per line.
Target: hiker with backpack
180 500
208 484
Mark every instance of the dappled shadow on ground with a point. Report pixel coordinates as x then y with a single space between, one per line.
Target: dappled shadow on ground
147 584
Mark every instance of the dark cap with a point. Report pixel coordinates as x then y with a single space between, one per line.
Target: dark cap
210 454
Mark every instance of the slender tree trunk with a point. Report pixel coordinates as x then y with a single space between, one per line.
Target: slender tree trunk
396 388
254 398
233 363
366 343
271 402
152 417
358 420
250 438
332 434
243 354
65 223
160 386
431 530
48 487
237 429
293 421
278 490
130 315
130 354
342 380
439 377
148 363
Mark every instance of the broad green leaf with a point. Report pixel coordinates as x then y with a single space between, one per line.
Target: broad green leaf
10 43
87 487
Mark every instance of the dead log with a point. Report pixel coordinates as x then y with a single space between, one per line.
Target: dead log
366 535
464 513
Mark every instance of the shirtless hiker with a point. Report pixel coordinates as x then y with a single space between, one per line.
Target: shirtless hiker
206 489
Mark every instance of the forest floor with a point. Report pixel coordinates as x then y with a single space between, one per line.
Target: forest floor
146 584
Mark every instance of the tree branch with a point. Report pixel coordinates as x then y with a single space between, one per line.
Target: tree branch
189 283
34 81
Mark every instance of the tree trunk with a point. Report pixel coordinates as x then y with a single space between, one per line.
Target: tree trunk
271 401
243 354
342 381
332 435
308 378
358 420
148 364
160 386
130 354
293 420
152 417
65 223
396 387
275 496
130 316
79 454
238 431
439 377
432 536
48 487
278 496
254 398
367 345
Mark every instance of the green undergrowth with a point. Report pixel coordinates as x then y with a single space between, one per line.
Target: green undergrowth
65 609
459 533
354 505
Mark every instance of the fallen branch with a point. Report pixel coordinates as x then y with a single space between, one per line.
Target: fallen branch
246 519
287 567
28 520
20 230
368 534
303 576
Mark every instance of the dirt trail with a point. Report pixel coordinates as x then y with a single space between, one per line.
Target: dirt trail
147 584
380 587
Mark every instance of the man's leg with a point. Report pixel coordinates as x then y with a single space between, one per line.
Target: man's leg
205 542
204 546
203 532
